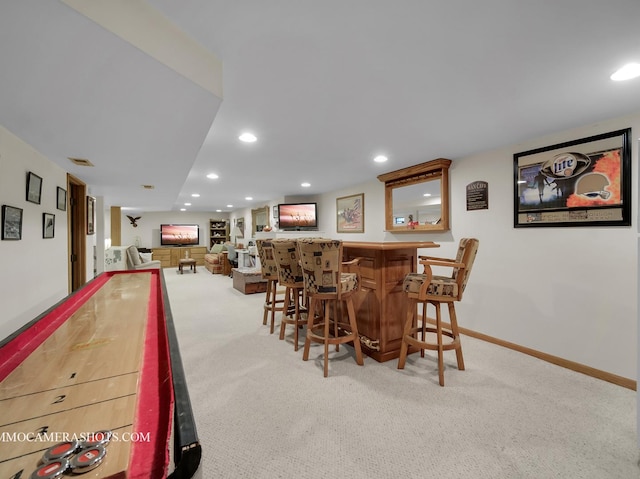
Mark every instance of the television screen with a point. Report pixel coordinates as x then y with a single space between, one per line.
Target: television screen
179 235
297 216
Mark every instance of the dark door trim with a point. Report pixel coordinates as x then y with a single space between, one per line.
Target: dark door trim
76 232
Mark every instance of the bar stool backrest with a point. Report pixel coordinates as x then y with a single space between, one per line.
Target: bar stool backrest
321 261
288 263
267 260
467 252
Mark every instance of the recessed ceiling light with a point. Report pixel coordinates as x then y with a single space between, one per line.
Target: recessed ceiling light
380 159
196 195
187 204
229 206
627 72
248 198
183 209
427 194
218 211
247 137
212 176
305 185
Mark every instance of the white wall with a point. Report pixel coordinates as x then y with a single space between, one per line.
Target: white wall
147 233
570 292
34 269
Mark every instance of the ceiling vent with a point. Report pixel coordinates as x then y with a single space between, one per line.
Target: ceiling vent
81 161
148 187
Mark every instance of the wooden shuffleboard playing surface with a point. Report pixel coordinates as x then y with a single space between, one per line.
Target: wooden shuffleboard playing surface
84 377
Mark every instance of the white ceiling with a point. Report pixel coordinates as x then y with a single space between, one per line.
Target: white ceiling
325 85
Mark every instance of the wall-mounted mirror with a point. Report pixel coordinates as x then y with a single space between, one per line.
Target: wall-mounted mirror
260 218
417 198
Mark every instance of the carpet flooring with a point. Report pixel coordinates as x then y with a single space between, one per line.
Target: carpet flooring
262 412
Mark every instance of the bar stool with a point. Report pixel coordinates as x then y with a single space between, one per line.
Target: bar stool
269 270
290 276
326 284
426 289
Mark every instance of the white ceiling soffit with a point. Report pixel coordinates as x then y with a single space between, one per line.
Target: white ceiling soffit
73 89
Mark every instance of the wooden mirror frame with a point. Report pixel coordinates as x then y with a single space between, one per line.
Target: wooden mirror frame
429 171
255 212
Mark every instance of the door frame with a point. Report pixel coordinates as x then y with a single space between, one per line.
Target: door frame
76 233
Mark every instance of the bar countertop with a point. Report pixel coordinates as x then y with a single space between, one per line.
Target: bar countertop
390 245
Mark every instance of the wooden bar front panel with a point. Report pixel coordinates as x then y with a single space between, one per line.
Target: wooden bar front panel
381 305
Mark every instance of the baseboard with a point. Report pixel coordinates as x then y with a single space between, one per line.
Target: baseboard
565 363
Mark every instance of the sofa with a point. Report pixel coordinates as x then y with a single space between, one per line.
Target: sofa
216 258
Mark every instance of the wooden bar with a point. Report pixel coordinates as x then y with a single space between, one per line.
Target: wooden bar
381 305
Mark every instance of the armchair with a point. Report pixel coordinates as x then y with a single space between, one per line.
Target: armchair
134 260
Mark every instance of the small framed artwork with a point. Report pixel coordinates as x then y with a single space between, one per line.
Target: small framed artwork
62 199
91 215
48 225
11 223
34 188
585 182
275 212
240 225
350 214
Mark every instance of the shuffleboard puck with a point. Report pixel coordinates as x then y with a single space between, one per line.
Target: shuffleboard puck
60 451
51 470
98 438
87 459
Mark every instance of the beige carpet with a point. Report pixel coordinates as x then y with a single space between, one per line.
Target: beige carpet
262 412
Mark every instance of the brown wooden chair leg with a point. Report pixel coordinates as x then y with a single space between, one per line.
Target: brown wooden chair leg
310 321
296 293
274 301
440 345
337 318
326 340
285 311
267 304
424 326
456 335
354 329
408 324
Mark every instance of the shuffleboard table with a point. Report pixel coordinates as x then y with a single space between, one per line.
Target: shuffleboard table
106 358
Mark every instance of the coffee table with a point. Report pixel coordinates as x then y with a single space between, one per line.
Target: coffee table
187 262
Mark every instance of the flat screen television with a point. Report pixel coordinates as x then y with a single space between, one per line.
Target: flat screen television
297 216
179 235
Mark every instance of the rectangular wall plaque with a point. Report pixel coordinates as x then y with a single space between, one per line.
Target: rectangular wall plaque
478 196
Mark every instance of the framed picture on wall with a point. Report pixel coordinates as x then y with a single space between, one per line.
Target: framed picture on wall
91 215
240 226
34 188
61 199
48 225
350 214
11 223
585 182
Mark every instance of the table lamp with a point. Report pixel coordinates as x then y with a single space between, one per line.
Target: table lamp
236 232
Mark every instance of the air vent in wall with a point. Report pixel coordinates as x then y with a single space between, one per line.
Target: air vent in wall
81 161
